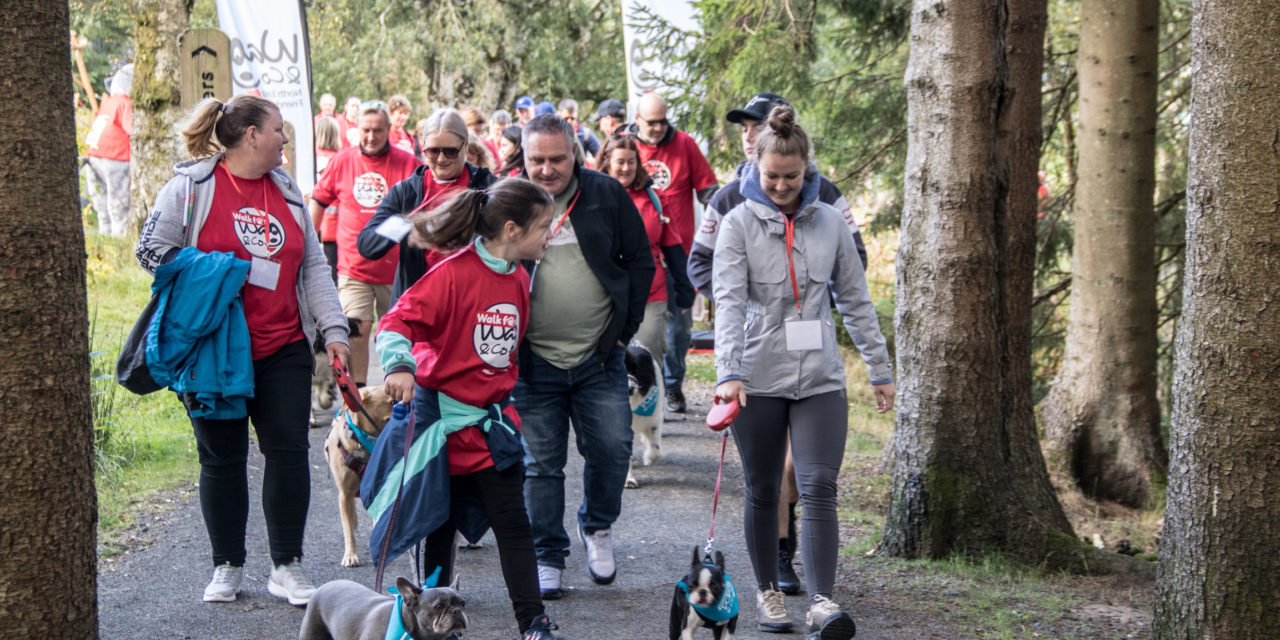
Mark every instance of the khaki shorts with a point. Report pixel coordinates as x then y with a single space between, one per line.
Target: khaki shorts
359 299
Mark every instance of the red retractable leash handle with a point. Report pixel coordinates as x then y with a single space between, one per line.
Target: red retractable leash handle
350 392
721 415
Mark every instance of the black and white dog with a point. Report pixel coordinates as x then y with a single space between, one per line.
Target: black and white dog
647 390
704 598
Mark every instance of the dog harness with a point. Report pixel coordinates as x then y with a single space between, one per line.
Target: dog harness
349 459
724 608
649 404
395 625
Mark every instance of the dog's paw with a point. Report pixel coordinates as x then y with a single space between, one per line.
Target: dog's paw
652 456
632 483
350 559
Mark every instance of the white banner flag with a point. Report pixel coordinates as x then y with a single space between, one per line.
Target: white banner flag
646 63
270 57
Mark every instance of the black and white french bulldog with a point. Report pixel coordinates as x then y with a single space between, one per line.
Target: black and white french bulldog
346 610
704 598
648 410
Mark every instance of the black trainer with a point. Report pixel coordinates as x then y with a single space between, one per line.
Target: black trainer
542 629
788 581
675 401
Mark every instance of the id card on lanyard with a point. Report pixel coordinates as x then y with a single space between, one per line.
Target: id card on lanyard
801 335
263 272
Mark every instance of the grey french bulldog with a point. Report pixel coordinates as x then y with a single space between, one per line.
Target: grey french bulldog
346 610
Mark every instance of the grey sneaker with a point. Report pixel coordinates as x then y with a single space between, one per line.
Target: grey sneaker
225 583
826 621
288 582
771 612
600 562
549 582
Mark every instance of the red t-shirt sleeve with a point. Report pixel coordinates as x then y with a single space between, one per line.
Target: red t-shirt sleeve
416 314
326 190
700 173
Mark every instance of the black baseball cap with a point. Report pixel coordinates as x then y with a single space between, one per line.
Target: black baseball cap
611 108
757 108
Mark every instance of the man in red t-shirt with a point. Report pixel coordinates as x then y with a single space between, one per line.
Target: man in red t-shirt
679 172
107 177
348 122
355 180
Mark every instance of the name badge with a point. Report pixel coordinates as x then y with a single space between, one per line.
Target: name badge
394 228
804 335
264 273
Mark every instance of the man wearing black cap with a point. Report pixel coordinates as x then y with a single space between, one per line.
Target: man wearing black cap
610 115
751 118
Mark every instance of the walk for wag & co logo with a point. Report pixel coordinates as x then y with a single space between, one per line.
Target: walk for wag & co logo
659 171
369 188
248 228
495 334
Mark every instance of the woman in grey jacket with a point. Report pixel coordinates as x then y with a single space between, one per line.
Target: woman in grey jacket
777 255
235 198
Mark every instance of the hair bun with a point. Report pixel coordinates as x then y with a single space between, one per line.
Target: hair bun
782 119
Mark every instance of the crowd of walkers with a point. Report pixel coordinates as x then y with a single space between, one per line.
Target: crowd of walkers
507 262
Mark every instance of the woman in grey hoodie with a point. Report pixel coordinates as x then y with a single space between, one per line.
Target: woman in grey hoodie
778 254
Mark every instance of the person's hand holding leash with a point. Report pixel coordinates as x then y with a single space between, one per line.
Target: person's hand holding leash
399 386
337 350
884 396
730 390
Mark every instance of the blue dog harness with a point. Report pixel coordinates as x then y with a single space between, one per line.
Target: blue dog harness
723 608
395 626
649 404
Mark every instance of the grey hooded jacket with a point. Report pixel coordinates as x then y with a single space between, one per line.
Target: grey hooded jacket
754 297
189 195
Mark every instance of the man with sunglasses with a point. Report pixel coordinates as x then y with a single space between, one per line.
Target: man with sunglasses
356 179
679 172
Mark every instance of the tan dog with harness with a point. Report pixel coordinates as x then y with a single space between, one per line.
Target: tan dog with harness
347 458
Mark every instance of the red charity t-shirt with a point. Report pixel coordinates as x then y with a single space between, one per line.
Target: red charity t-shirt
678 169
109 137
471 319
349 130
356 183
401 139
660 235
234 224
329 223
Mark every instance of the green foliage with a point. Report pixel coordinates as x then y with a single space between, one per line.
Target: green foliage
108 27
456 52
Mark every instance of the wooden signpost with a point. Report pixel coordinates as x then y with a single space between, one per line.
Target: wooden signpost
206 66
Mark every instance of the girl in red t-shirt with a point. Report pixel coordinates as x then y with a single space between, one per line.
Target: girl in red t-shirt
621 159
471 311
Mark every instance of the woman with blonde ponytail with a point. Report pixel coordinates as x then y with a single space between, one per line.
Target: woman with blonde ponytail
233 197
778 254
449 346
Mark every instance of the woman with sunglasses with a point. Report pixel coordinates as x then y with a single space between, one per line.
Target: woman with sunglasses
620 159
444 142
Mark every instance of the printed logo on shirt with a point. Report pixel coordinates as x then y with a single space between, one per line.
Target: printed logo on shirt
660 172
353 137
496 333
566 235
369 188
248 228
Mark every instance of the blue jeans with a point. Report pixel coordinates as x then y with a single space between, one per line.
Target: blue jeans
679 328
593 396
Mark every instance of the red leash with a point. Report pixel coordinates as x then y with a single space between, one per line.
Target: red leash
719 419
715 500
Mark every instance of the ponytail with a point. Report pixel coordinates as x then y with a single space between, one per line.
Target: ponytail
213 125
454 224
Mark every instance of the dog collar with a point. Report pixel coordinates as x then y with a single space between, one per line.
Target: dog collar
649 405
366 441
723 608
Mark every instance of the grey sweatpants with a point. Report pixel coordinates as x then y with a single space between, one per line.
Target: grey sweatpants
819 425
108 184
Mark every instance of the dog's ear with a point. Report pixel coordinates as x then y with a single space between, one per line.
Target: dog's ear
453 584
408 590
696 559
720 560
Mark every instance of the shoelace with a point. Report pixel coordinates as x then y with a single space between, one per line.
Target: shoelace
774 607
822 604
223 575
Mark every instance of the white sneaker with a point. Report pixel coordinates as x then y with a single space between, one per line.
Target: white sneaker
549 582
225 583
826 621
600 562
288 582
771 612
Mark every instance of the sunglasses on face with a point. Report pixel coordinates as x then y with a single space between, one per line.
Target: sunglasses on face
373 104
448 152
654 123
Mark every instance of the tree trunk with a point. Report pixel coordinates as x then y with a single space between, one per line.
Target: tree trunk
48 525
157 100
1102 417
967 471
1220 551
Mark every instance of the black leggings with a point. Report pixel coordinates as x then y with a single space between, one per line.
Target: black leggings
280 411
502 494
818 428
331 256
